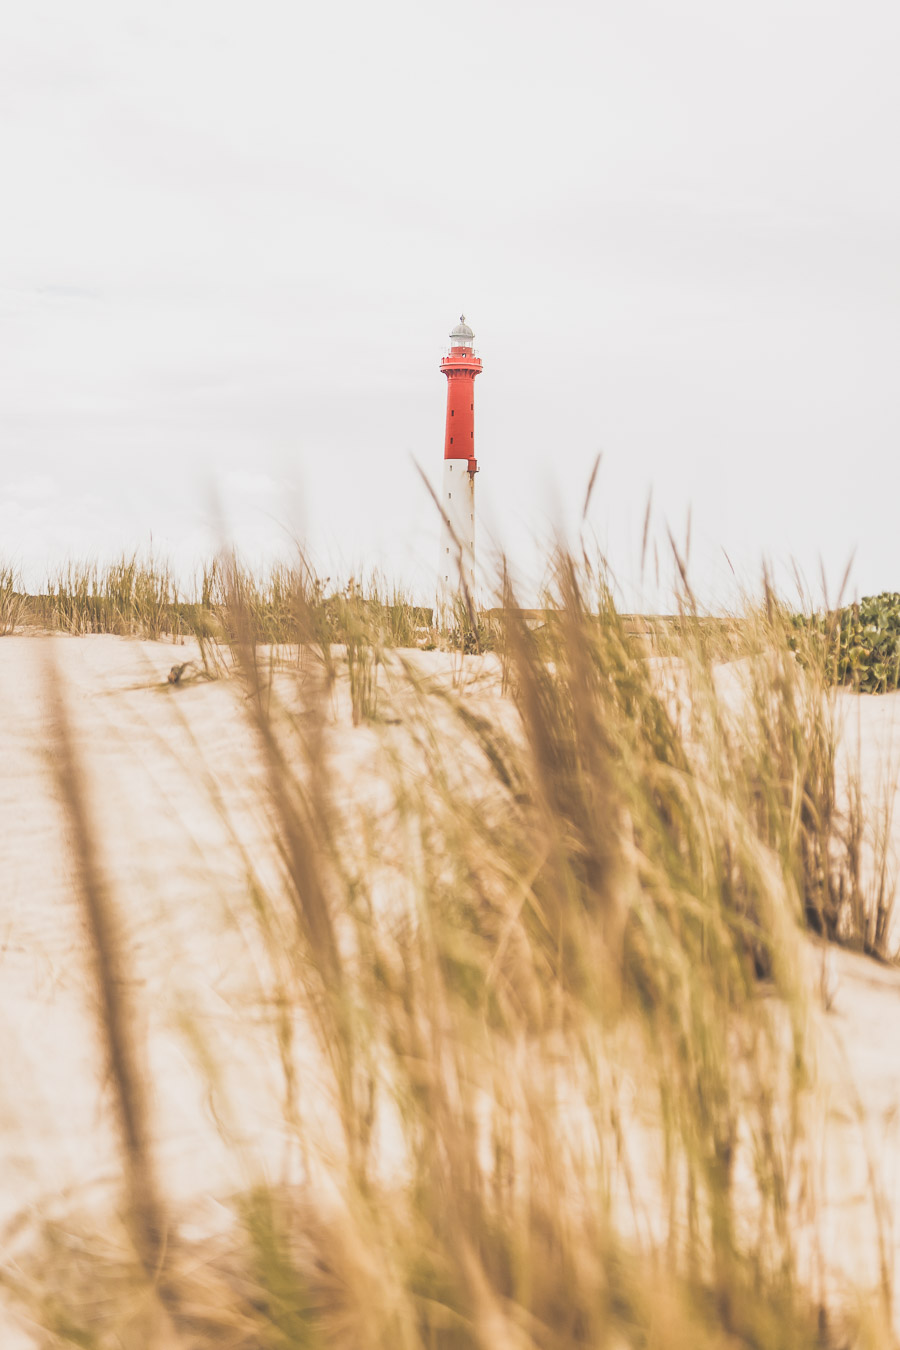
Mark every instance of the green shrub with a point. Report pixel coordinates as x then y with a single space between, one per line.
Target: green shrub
859 644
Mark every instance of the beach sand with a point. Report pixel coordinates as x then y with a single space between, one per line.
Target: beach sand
177 794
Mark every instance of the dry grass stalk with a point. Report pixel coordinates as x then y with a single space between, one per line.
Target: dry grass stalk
146 1215
12 601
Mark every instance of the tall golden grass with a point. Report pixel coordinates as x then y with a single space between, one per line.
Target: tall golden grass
540 973
12 600
139 596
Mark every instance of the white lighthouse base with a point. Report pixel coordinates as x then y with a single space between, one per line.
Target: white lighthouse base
457 560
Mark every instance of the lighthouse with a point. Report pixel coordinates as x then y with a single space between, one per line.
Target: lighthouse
457 561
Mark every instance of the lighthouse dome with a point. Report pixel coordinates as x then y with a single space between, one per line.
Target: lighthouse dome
462 335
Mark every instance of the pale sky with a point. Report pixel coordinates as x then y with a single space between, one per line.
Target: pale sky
235 237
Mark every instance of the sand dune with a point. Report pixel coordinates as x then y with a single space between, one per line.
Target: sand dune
177 793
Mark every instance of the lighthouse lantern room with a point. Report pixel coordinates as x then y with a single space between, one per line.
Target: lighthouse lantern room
457 562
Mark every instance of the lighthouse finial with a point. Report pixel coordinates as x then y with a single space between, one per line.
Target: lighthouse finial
462 333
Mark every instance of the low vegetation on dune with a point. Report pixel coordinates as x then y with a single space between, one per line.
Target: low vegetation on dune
12 601
553 986
139 598
858 645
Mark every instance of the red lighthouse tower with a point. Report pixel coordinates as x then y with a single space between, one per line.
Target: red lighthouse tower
461 366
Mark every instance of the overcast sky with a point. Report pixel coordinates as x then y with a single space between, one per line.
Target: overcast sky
235 237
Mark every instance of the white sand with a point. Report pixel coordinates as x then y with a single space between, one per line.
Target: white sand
157 759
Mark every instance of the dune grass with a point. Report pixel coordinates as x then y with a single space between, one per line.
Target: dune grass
131 596
137 596
12 600
539 973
